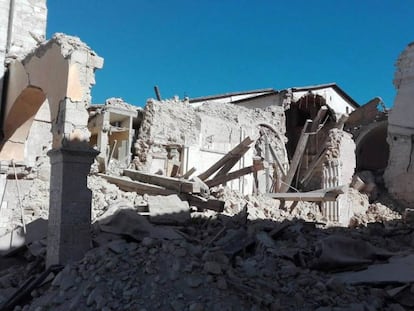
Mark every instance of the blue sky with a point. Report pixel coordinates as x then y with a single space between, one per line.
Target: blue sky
197 48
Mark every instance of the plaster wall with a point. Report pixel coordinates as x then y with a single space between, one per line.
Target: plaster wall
39 139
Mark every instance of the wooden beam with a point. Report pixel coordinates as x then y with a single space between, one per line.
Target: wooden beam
189 173
234 175
232 162
233 153
277 160
202 203
341 121
304 196
300 149
314 128
332 190
318 118
311 169
179 185
135 186
268 178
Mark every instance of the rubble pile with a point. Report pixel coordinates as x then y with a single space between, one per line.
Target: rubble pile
256 255
257 200
262 207
224 263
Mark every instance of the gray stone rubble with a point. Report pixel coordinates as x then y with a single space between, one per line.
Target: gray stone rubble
250 257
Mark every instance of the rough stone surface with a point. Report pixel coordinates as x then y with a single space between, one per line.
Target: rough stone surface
338 169
400 170
289 265
211 127
168 209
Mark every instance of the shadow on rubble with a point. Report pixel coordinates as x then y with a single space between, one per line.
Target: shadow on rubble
254 255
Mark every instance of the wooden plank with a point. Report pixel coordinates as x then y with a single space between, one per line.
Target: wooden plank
341 122
315 127
304 196
135 186
233 153
234 175
179 185
315 162
332 190
300 149
318 118
256 161
189 173
277 160
232 162
267 170
202 203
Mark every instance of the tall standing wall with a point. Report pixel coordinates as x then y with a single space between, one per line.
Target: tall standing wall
399 174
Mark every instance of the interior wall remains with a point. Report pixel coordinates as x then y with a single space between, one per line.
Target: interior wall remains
399 174
202 135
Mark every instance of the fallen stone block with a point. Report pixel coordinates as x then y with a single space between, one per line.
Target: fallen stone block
129 223
168 210
397 270
12 241
408 216
16 239
341 253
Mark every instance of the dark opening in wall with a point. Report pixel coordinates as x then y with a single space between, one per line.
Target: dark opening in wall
372 150
305 108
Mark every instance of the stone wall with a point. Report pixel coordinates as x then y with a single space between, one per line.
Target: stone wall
399 175
204 134
22 27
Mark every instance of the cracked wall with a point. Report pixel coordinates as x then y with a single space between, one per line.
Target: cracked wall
399 174
22 28
63 68
202 135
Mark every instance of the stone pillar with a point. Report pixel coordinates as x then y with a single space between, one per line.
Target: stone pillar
69 235
337 170
330 179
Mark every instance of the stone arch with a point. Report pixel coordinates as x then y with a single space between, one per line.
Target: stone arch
303 109
372 150
60 72
18 123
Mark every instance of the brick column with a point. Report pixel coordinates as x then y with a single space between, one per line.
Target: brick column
69 235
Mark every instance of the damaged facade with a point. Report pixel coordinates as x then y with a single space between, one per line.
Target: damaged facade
399 172
311 153
50 81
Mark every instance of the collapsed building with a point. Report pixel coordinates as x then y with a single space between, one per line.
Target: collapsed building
303 152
